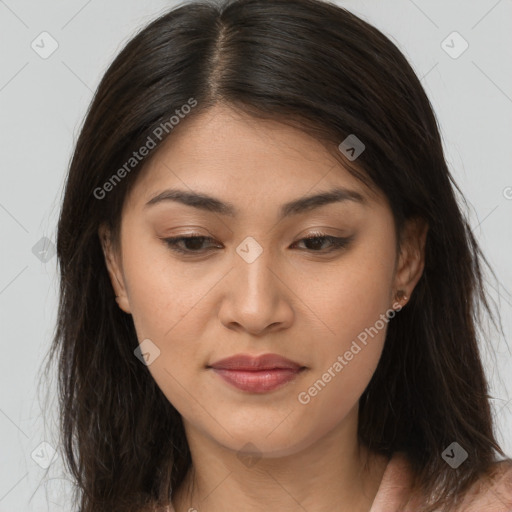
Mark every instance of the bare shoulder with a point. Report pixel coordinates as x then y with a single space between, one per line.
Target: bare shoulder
492 492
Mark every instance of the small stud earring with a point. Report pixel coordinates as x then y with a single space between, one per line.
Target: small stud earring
400 295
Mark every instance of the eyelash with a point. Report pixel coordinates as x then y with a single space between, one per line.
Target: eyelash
337 243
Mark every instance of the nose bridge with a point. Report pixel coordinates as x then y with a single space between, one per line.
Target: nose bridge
254 299
253 268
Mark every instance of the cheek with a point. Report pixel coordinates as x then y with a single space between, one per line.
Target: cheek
162 294
169 306
350 295
333 391
355 308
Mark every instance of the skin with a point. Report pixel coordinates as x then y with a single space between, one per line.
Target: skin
200 309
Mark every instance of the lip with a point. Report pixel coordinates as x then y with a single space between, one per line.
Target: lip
246 362
257 374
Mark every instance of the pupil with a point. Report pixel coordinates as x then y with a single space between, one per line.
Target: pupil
315 242
196 242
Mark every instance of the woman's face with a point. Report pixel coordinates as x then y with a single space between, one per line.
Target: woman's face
253 285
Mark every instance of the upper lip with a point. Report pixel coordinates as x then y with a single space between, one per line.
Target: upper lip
246 362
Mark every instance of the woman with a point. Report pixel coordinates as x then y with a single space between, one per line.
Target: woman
269 294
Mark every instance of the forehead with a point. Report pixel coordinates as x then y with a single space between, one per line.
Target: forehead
229 153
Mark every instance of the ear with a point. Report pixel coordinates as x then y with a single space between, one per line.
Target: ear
114 269
411 259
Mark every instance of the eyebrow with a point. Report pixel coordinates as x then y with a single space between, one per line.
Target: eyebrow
295 207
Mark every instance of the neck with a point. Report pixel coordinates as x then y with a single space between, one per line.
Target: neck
334 473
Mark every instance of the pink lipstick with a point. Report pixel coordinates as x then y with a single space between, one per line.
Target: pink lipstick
257 374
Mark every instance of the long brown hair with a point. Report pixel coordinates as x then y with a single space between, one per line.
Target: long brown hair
318 67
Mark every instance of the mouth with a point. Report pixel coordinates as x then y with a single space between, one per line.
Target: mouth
247 362
257 374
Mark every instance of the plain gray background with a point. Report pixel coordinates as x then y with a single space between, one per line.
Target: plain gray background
42 104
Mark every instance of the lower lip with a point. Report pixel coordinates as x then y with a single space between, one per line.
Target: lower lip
257 381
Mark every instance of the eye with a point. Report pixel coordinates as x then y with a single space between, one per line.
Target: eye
316 241
193 245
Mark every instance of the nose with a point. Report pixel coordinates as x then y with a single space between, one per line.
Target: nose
256 297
